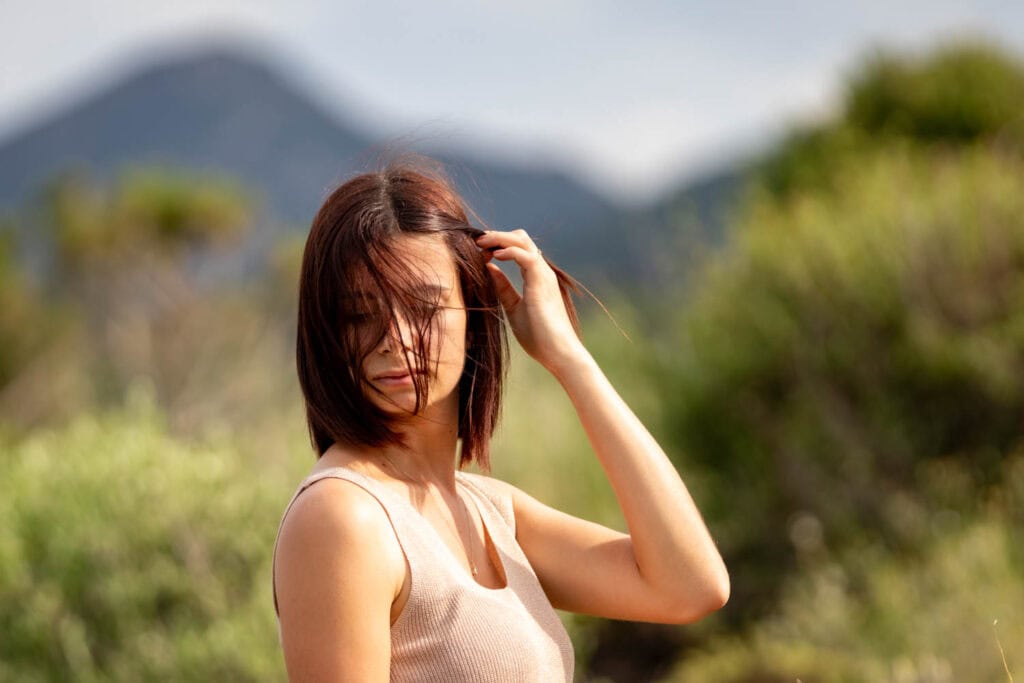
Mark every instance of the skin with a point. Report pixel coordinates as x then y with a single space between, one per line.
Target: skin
665 570
429 258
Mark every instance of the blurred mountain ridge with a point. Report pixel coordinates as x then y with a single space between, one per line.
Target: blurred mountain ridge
226 110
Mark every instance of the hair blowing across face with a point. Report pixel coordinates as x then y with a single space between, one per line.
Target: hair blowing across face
347 252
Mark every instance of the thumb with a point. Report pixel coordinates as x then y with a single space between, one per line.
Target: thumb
507 293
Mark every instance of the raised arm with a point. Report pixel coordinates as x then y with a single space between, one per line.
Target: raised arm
667 569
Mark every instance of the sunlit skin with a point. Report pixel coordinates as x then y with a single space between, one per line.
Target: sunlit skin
430 259
666 569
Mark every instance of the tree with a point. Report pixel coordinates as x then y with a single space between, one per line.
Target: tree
122 255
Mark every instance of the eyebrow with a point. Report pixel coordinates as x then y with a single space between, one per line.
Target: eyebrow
444 289
441 289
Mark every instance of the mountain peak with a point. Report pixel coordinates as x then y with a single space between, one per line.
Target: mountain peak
225 107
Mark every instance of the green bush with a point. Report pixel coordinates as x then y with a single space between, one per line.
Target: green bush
129 556
844 338
961 93
24 324
869 616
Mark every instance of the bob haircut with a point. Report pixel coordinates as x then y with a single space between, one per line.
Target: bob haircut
349 267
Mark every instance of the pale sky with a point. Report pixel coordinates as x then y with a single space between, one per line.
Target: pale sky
631 97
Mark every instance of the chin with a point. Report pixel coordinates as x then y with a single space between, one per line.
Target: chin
401 403
397 406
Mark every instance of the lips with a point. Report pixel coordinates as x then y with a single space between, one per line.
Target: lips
393 374
394 378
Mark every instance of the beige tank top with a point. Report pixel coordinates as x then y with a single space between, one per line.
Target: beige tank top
451 628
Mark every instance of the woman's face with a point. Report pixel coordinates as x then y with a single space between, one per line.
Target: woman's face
429 258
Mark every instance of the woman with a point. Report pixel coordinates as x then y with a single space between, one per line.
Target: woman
396 564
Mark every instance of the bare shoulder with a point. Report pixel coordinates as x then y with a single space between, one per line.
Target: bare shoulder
336 576
334 506
338 517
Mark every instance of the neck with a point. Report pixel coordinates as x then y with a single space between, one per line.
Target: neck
429 457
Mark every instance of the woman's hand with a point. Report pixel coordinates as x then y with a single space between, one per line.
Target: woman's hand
538 317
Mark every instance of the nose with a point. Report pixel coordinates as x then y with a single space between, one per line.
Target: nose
398 335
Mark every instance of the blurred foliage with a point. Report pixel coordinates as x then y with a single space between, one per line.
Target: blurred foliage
844 338
148 209
130 556
24 322
864 319
285 265
960 93
868 615
123 302
122 270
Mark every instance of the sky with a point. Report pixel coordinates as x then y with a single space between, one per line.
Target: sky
630 97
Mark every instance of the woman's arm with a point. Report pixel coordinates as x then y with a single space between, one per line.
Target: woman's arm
667 569
335 582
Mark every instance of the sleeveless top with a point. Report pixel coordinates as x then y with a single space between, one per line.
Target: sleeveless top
451 627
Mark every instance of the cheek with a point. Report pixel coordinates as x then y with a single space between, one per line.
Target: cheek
455 331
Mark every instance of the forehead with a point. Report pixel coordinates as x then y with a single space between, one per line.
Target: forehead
425 261
427 255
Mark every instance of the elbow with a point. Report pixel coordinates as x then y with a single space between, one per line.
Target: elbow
720 594
715 597
712 597
718 586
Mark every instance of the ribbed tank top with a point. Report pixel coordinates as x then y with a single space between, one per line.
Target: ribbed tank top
451 628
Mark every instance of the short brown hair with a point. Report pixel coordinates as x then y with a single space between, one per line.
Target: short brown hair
348 243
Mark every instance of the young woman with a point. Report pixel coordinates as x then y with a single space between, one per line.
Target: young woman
393 564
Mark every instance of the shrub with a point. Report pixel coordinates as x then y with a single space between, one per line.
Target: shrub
870 616
844 338
130 556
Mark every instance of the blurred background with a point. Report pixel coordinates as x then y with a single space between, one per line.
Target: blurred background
806 222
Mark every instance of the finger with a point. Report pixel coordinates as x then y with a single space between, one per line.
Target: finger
507 293
526 260
514 238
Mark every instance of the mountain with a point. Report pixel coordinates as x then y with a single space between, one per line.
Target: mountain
224 110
